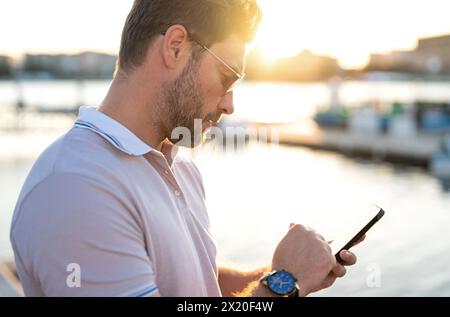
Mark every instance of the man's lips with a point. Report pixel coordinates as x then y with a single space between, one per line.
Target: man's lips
208 124
212 122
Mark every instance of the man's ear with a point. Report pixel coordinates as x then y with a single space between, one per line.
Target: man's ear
176 46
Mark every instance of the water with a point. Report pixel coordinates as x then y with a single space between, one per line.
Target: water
264 102
255 193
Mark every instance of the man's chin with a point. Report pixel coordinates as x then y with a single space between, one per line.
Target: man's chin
191 143
194 136
206 125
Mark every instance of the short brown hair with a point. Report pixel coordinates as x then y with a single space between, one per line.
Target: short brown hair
210 21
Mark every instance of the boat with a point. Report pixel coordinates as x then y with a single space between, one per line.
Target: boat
335 117
440 162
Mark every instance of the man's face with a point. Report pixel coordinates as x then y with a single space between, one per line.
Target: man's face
200 92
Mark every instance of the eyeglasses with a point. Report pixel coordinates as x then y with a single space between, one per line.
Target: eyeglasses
239 77
228 86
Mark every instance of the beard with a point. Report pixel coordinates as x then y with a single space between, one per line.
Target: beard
183 104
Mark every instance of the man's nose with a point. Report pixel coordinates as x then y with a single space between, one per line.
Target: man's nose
226 105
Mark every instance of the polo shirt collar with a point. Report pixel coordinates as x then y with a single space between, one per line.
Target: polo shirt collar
112 131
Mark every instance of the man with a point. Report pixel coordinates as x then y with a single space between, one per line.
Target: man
111 209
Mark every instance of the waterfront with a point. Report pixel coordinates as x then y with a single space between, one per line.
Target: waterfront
254 194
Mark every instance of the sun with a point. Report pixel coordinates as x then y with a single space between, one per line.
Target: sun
274 40
338 29
273 50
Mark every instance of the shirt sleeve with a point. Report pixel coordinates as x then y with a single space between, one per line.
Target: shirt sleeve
78 237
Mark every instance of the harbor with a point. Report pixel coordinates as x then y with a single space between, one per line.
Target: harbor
417 151
313 175
416 133
326 109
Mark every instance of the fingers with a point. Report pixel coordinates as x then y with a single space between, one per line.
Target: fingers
329 281
339 270
348 258
321 238
332 277
309 229
360 240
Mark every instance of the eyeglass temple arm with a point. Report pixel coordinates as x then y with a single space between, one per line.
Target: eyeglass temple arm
238 75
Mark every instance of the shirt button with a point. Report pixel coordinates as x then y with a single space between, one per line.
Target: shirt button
166 172
177 193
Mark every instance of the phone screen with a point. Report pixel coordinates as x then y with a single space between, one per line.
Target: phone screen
355 229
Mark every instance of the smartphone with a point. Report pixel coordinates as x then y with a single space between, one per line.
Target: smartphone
369 219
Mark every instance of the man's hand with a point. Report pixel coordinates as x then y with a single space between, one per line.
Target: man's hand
339 270
308 256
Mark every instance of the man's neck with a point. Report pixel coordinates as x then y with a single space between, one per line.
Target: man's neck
132 104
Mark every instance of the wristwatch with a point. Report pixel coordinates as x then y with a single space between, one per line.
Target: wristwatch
281 283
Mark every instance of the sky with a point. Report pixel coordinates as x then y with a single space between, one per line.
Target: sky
346 29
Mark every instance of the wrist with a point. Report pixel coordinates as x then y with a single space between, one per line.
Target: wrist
280 283
262 291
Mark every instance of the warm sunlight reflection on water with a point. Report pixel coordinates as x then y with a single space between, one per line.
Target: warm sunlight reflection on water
254 194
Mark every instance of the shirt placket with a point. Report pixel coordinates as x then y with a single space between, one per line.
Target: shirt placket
160 163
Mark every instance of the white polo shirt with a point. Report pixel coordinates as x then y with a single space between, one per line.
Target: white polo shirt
101 200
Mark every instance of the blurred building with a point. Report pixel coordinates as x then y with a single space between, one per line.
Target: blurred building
85 65
305 66
432 56
435 53
6 68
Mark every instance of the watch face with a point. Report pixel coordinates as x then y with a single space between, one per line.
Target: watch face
281 283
